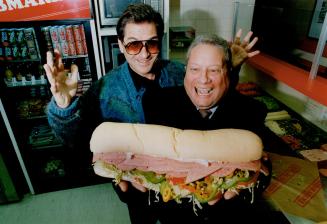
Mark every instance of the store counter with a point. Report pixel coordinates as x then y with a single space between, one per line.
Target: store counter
298 152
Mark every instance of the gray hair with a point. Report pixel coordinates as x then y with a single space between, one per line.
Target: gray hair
213 40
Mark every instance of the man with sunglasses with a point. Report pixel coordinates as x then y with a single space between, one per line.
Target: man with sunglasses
115 97
118 95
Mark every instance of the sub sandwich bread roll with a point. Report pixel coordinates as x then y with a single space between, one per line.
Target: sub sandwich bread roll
229 145
137 138
176 163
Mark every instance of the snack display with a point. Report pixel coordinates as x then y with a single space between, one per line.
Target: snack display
278 115
271 103
31 108
249 89
42 136
295 131
299 135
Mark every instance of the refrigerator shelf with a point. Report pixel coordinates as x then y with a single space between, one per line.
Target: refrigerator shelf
33 117
75 56
24 82
22 60
45 147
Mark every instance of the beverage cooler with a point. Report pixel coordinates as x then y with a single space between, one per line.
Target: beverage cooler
46 164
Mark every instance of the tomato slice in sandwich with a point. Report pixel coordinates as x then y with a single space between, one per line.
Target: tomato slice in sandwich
177 180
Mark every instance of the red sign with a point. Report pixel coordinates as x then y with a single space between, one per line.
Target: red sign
34 10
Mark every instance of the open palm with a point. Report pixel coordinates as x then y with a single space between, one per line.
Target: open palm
63 83
242 50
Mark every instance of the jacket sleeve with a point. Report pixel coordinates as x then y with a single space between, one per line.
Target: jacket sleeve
74 125
63 121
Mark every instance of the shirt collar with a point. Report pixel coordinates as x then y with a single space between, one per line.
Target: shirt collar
212 110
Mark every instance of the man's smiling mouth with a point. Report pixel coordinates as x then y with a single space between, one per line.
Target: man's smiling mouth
203 91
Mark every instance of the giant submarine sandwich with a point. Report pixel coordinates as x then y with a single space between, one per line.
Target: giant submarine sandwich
200 165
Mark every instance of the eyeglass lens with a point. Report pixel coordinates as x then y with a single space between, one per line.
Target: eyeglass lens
135 47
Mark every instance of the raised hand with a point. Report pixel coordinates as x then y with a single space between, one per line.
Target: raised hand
63 84
242 50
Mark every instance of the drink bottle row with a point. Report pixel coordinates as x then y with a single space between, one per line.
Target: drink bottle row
68 39
22 44
18 44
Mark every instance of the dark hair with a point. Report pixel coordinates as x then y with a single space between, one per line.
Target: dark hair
139 13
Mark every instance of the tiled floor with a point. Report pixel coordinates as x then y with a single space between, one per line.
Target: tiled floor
96 204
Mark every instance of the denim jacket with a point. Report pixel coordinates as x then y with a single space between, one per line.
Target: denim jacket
111 98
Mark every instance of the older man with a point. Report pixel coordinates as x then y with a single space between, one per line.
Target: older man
207 101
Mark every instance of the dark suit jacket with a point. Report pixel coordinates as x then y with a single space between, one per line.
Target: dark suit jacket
172 107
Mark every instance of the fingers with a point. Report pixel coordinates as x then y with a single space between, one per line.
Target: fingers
74 72
58 60
238 34
237 39
55 67
54 64
265 156
49 69
139 187
55 60
49 59
246 44
214 201
247 37
123 185
230 194
251 44
254 53
49 72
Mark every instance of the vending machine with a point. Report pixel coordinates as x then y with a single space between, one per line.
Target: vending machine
27 32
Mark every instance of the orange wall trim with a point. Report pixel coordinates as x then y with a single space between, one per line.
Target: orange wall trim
292 76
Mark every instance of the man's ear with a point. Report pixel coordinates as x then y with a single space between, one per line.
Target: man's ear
121 46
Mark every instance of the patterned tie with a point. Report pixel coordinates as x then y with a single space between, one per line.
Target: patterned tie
205 113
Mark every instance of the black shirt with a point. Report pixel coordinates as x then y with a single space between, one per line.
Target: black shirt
141 81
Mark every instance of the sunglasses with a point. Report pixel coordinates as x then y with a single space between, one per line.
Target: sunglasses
135 47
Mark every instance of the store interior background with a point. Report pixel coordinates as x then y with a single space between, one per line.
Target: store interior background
205 16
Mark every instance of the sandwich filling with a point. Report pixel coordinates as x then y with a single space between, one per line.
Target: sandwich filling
177 179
